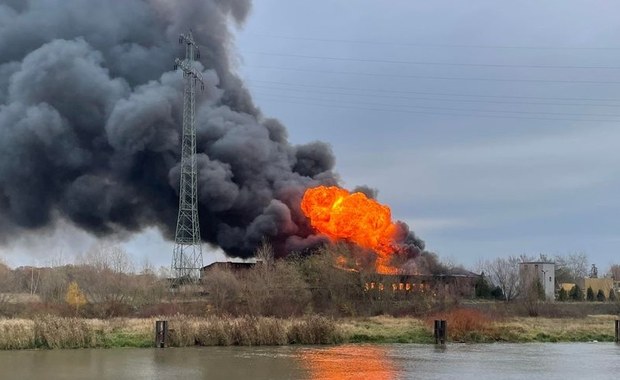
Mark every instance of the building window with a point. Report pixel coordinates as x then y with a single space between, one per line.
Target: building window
549 278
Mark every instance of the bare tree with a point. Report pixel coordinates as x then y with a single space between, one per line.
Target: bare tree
504 272
264 253
614 270
572 267
224 291
107 257
106 278
54 282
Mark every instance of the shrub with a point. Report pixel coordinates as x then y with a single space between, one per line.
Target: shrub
224 290
576 294
463 324
562 295
483 289
497 293
276 289
600 295
590 294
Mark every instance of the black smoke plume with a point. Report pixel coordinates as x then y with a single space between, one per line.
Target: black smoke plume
90 115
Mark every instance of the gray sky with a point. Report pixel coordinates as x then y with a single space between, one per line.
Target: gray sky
490 127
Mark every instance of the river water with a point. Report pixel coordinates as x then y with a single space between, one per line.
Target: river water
390 361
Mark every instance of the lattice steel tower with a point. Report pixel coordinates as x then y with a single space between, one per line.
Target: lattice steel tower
187 254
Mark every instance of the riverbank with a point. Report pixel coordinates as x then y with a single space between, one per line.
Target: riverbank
56 332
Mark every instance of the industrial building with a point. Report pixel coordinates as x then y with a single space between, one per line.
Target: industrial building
542 271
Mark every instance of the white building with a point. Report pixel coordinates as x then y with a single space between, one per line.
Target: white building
543 271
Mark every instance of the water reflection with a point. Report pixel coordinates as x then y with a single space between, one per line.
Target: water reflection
348 362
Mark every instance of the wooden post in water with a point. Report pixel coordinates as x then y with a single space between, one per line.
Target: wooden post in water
617 330
161 334
441 331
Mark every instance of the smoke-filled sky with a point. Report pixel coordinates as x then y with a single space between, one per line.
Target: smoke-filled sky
490 128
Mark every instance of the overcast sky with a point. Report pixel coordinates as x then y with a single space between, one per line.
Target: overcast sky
490 127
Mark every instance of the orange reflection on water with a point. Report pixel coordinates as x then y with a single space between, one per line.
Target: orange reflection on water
348 362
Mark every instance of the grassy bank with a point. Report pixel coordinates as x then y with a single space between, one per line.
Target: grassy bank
478 329
56 332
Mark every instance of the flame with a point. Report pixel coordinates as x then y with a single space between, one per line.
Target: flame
338 214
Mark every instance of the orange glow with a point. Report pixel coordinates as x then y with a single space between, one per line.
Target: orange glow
349 362
339 214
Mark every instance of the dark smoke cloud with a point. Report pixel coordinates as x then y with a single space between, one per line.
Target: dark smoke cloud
90 115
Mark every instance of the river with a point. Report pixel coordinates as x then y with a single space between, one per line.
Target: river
373 362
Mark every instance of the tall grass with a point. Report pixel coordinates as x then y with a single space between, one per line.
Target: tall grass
16 334
58 332
386 329
314 330
252 331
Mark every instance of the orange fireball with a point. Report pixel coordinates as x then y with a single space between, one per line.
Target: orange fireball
354 217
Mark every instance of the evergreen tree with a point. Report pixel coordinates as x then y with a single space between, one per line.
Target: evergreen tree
562 295
590 294
576 294
483 289
612 295
539 291
600 295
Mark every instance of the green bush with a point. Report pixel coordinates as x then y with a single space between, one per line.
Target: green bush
576 294
600 296
590 294
562 295
483 288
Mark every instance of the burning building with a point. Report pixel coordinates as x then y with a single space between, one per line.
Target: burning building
354 217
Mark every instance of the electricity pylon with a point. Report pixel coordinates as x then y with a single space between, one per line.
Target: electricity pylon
187 253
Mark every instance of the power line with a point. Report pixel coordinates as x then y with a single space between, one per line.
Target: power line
457 109
435 77
417 44
288 101
374 90
433 99
367 60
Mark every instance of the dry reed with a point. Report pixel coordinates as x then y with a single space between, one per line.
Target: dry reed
16 334
252 331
